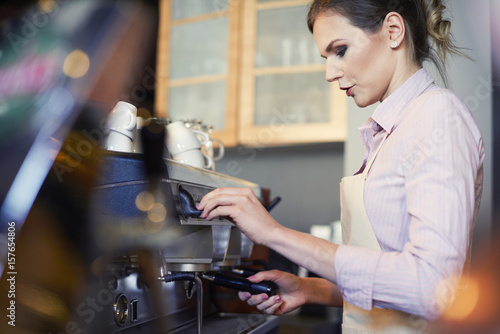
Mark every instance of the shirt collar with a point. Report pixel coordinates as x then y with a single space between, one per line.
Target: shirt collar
388 113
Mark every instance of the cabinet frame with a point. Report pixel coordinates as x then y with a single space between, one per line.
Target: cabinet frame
229 134
240 128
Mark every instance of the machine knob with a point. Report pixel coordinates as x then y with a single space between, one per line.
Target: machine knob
187 203
120 309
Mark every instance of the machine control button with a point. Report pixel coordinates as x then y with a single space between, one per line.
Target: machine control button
113 283
134 314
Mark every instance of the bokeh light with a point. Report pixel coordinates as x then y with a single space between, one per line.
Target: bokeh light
157 213
144 113
47 6
145 201
463 306
76 64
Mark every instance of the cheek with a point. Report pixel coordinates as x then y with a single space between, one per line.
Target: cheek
362 62
373 57
363 49
375 68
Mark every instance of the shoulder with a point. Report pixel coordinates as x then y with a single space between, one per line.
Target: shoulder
439 99
441 120
440 107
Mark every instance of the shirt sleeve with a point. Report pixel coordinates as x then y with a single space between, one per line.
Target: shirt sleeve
355 271
440 166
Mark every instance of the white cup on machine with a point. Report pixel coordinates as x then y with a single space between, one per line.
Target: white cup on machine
121 128
138 140
194 158
184 145
213 147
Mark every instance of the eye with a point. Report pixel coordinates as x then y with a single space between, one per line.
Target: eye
341 50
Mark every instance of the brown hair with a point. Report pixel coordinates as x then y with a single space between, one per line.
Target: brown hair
428 33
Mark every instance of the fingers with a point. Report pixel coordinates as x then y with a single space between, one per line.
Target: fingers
253 300
225 202
273 309
212 211
262 301
269 275
208 197
244 295
226 194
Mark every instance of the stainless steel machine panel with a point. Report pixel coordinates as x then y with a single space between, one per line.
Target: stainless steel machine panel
163 292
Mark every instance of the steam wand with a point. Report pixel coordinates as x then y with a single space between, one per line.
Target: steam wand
193 277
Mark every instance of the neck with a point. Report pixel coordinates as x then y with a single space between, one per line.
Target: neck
403 71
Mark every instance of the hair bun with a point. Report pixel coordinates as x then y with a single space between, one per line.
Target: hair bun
439 28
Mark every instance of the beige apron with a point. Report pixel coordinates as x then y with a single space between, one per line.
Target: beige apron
357 231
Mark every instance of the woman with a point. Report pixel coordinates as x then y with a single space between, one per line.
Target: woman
408 213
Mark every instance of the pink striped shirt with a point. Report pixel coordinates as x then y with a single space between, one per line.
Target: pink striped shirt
421 196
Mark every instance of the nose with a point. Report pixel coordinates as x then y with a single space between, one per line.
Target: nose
333 72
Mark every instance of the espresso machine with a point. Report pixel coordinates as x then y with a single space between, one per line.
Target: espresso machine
156 260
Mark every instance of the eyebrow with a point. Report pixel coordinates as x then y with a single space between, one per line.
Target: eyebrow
330 45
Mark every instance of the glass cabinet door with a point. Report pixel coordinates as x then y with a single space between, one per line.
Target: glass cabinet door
250 69
197 63
285 98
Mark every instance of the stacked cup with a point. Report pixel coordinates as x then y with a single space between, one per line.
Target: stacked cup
212 147
120 128
184 145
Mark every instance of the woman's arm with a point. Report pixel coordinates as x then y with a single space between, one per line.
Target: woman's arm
245 210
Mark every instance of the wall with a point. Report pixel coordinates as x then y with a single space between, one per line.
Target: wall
470 80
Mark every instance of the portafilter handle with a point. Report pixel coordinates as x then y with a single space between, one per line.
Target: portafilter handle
242 284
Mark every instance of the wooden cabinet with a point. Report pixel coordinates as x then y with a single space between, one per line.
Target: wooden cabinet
197 69
249 68
284 95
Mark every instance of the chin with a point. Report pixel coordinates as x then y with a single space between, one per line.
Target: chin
362 103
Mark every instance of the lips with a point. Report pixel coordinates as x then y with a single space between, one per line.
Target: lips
349 90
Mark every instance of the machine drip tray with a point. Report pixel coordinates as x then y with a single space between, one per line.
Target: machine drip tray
235 323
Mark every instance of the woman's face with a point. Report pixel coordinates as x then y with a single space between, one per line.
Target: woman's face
363 64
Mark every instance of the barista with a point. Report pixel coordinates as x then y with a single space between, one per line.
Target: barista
408 213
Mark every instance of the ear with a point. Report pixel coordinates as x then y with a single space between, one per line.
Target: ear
395 26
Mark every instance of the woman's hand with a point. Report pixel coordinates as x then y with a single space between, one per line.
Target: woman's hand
243 208
291 293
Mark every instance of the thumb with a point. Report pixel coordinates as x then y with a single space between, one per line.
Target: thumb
271 275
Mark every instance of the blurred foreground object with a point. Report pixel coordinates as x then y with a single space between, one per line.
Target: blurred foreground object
52 60
477 305
54 56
